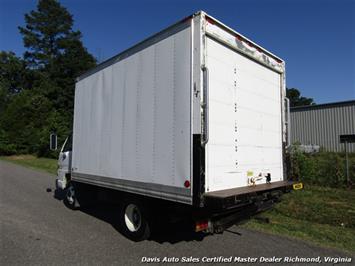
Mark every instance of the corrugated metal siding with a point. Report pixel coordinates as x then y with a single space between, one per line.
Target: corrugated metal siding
322 125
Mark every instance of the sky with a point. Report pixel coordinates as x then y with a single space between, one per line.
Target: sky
315 38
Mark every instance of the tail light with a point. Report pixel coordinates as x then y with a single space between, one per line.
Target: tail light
201 225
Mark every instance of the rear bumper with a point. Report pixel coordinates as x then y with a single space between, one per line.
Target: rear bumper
227 207
237 197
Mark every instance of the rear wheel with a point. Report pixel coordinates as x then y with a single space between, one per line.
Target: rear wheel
133 221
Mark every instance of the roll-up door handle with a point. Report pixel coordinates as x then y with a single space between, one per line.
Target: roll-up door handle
205 135
288 123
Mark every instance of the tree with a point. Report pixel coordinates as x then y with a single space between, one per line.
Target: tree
45 31
23 120
42 84
11 72
296 99
12 76
55 50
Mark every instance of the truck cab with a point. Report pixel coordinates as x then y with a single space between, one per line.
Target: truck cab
64 164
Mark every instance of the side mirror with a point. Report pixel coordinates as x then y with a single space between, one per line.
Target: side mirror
53 142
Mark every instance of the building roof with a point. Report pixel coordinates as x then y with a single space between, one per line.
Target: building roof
322 106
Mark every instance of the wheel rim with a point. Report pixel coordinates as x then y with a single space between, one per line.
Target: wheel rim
71 195
133 218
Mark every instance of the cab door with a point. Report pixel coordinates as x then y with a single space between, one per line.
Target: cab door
64 163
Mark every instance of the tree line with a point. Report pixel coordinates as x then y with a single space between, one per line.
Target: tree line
37 89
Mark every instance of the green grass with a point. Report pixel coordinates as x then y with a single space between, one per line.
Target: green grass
43 164
324 216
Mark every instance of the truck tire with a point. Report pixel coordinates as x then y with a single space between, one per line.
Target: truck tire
133 220
70 199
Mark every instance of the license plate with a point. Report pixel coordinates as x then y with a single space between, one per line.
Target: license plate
297 186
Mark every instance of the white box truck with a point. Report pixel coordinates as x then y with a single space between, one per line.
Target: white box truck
193 121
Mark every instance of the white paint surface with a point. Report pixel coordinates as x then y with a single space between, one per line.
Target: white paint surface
132 119
256 146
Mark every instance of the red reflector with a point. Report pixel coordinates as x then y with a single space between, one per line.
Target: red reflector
187 184
201 225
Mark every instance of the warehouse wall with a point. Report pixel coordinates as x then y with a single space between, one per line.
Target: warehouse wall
322 124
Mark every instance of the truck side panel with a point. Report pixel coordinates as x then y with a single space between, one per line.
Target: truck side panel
132 122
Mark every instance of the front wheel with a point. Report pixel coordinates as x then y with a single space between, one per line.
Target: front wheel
71 199
133 221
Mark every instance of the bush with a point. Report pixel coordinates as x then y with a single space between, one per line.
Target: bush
26 123
323 168
6 148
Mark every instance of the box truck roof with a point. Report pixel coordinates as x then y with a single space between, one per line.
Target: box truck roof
213 28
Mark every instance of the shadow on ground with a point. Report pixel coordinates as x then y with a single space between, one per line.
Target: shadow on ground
162 230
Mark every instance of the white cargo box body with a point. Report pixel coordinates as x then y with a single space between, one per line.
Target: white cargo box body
194 109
